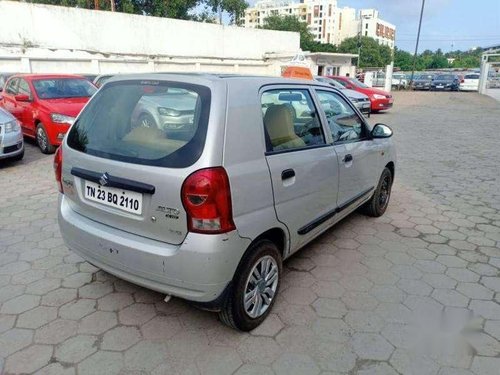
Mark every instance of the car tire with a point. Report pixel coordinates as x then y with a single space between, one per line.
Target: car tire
378 203
147 121
42 140
262 255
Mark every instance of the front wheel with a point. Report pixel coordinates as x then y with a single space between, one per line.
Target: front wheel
255 286
42 140
377 205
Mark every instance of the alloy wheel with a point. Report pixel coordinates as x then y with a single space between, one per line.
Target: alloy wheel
261 287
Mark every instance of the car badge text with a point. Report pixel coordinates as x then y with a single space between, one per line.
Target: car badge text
104 179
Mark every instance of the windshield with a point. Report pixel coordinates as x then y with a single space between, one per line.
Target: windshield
150 123
445 77
471 76
331 82
58 88
425 77
355 82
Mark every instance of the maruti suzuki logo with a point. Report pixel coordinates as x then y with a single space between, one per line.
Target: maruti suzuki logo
104 179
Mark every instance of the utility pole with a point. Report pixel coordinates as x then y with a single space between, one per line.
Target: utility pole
112 5
416 45
359 39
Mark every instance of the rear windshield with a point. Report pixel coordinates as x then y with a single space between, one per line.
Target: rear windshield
445 78
471 76
144 122
59 88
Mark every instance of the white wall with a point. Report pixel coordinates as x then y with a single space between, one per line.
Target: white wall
44 26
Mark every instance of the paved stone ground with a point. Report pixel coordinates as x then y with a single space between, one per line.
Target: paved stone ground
416 291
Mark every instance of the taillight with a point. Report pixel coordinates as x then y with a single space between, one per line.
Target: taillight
58 168
206 197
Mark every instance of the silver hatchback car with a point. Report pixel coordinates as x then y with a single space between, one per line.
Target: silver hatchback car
11 137
209 209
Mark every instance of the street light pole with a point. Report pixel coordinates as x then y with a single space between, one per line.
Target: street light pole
416 45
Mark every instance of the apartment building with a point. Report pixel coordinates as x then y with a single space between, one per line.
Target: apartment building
373 26
327 22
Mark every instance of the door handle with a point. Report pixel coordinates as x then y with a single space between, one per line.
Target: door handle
287 173
348 158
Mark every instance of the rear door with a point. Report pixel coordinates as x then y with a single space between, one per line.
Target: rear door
357 154
9 101
119 172
301 160
26 108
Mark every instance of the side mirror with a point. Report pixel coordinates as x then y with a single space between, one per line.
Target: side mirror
22 98
381 131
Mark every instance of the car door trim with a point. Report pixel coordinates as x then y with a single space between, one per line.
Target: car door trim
325 217
113 181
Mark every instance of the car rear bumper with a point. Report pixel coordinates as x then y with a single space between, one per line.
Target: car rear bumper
197 270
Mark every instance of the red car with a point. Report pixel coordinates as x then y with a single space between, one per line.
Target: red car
379 99
46 105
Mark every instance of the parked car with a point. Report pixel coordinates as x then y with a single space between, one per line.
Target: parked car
267 165
422 81
380 99
470 82
88 77
11 137
443 82
3 78
361 101
172 111
46 105
102 79
399 81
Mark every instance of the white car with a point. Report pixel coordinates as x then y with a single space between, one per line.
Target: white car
399 80
470 82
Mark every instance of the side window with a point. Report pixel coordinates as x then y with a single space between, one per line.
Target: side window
290 120
12 86
24 88
344 123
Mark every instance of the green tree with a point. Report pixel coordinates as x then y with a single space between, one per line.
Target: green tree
438 61
373 54
293 23
180 9
403 59
235 8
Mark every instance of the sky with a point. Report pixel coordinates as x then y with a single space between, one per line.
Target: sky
447 24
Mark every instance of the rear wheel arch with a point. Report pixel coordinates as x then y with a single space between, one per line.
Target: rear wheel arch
276 236
391 167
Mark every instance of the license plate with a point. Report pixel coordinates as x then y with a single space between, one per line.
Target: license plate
368 105
440 86
124 200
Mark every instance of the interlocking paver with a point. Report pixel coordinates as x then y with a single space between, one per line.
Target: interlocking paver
120 338
56 331
145 356
29 360
291 363
37 317
97 323
76 348
364 288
